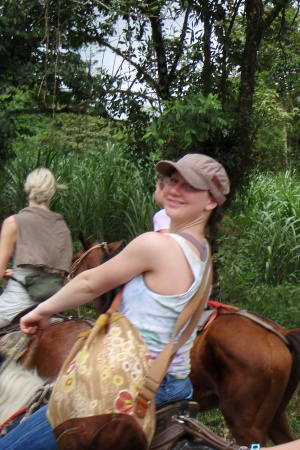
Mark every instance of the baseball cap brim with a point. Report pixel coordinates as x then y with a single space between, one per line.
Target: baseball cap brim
166 168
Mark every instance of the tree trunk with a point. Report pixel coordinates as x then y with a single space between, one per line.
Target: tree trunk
257 23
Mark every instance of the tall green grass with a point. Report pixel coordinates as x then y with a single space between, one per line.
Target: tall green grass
259 258
108 196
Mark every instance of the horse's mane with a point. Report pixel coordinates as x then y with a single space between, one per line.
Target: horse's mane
17 387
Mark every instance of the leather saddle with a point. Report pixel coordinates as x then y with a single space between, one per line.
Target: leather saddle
177 428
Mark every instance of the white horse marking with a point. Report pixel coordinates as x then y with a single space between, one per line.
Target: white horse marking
17 388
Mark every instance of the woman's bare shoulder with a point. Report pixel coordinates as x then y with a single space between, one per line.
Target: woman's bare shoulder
9 223
8 231
157 246
152 238
8 236
146 253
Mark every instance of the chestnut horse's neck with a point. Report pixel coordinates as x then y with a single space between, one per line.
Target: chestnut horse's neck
76 265
92 255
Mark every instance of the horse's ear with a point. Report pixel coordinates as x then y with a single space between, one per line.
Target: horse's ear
113 247
85 242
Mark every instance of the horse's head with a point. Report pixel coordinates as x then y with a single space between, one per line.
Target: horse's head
90 256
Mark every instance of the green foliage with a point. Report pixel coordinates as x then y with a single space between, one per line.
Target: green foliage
107 189
259 258
132 60
276 125
185 124
276 110
13 177
76 131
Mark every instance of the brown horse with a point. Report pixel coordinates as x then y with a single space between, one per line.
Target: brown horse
250 373
37 367
48 355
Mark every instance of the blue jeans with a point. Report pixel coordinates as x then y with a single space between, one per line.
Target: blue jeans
35 433
172 389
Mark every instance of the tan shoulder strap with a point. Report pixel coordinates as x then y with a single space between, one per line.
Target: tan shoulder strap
116 302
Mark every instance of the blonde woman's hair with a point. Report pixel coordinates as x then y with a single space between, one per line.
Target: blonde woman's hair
40 185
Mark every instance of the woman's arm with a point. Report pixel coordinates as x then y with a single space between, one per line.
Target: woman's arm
8 240
157 256
138 257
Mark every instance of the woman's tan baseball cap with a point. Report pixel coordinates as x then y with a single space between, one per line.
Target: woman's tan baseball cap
201 172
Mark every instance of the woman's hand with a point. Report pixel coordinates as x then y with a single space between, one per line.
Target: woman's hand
34 322
8 274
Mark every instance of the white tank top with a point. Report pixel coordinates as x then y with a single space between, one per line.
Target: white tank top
155 315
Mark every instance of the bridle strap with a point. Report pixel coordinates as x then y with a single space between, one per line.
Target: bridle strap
78 261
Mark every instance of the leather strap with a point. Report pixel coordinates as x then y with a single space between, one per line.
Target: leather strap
168 437
18 281
116 302
190 427
198 430
263 323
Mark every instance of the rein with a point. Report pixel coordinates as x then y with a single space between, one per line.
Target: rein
40 398
11 418
19 348
78 261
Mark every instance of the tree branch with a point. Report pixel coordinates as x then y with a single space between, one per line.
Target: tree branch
178 53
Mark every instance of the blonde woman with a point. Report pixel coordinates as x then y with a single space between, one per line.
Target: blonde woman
39 241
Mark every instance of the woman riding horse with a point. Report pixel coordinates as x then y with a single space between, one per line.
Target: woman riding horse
39 241
161 273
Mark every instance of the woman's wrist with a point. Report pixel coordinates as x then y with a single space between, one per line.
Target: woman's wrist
45 310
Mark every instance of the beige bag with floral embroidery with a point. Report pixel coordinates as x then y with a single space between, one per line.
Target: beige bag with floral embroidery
93 400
